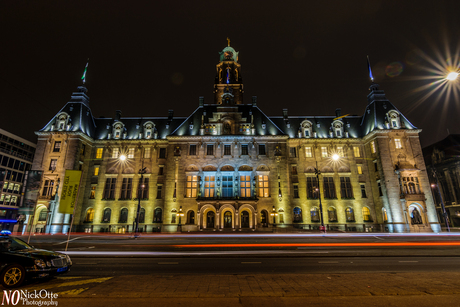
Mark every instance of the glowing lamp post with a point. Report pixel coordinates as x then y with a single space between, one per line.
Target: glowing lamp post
180 214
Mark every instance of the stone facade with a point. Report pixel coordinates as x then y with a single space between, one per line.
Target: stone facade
229 167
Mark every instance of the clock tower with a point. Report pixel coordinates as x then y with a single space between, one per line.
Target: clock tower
228 86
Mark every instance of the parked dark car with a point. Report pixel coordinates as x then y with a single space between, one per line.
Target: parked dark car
19 260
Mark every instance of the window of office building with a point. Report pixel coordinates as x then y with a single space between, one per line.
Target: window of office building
263 186
209 186
245 186
126 188
324 153
99 153
312 188
308 152
109 189
345 187
329 187
192 184
147 153
356 151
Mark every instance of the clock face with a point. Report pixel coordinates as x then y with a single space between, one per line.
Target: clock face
228 54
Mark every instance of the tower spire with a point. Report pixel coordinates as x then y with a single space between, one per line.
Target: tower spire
228 41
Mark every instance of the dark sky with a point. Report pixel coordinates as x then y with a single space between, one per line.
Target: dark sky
150 56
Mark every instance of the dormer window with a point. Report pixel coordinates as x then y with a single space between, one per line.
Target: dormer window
394 119
337 127
62 121
118 128
306 127
149 127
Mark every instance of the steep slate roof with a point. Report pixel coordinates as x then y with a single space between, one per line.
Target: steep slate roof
375 116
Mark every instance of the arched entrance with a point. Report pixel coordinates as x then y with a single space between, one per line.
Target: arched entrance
245 219
228 219
210 217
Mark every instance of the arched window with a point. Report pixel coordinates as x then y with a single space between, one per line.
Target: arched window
332 214
118 129
106 216
158 215
314 213
142 216
366 215
191 217
89 215
244 219
350 214
62 121
123 216
297 215
210 216
149 130
42 215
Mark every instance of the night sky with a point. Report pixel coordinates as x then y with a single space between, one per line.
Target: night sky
150 56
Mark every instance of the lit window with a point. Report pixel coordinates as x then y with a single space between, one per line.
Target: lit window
57 146
99 152
356 151
398 143
96 170
147 153
89 215
53 164
366 215
263 186
308 152
245 185
192 183
324 152
209 184
373 150
115 153
131 153
360 169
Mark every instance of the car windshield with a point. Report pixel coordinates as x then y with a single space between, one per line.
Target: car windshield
13 244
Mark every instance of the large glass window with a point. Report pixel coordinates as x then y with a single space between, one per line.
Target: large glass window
142 216
99 152
227 186
131 153
324 152
209 186
314 214
398 143
192 184
297 215
356 151
57 146
245 186
157 215
350 214
263 186
312 188
42 215
332 214
89 215
126 188
106 216
115 153
109 189
308 152
329 188
147 153
123 216
366 215
345 187
48 188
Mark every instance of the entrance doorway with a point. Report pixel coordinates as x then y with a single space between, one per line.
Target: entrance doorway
245 219
228 219
210 219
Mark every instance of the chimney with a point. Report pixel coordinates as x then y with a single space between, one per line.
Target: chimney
117 115
201 101
338 112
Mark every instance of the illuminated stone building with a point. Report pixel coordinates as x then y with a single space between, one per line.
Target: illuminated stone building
230 167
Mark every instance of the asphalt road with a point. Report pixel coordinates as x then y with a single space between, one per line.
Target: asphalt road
312 265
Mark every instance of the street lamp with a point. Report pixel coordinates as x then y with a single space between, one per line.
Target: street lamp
140 189
180 214
274 214
452 76
122 158
317 172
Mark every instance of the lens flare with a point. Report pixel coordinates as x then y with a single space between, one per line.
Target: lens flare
122 157
452 76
